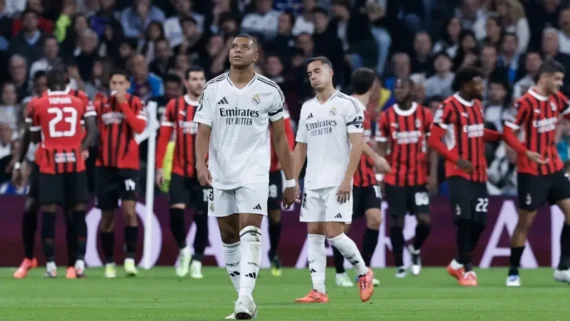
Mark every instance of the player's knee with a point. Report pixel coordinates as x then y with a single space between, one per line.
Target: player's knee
315 228
423 219
178 206
31 206
51 208
346 228
373 220
229 236
397 221
107 223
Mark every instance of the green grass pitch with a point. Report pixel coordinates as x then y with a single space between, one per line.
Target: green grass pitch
158 295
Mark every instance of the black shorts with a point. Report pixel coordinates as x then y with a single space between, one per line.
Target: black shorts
34 181
114 184
535 191
365 198
64 188
275 191
404 200
188 191
469 199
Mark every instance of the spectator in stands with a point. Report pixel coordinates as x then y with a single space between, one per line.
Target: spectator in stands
512 17
18 74
304 22
105 17
194 42
470 14
449 37
99 78
229 26
381 97
29 42
327 43
181 63
136 18
73 33
401 69
376 11
440 83
502 171
421 61
163 60
144 83
126 51
87 53
468 53
222 8
544 15
533 60
9 101
284 42
44 24
5 26
509 57
172 89
492 33
39 85
51 57
550 49
497 103
173 25
564 32
8 147
146 46
264 20
110 41
419 88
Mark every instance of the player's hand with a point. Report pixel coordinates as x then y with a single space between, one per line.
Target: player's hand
85 154
290 196
382 165
536 157
159 177
120 95
204 175
432 184
344 190
465 165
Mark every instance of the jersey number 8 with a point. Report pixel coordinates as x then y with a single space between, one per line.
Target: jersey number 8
65 114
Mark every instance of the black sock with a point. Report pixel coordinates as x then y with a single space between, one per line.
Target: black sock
71 240
369 243
422 233
397 238
80 234
274 237
48 235
515 260
131 237
201 238
476 232
177 227
108 243
464 243
29 227
564 248
338 261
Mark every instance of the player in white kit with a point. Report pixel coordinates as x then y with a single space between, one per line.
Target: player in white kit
234 115
330 135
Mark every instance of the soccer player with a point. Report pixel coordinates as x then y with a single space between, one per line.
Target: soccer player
330 136
234 115
459 120
366 192
184 187
402 135
119 118
276 198
56 122
29 152
541 177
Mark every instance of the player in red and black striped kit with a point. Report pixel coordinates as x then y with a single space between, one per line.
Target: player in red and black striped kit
184 187
119 118
541 177
365 191
459 120
30 217
402 135
56 122
276 197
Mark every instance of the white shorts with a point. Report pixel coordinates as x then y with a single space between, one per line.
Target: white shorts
321 205
248 199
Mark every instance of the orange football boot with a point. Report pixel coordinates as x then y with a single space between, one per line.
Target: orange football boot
26 265
70 273
365 282
314 297
456 273
468 279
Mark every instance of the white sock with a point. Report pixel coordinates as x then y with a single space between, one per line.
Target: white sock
350 251
232 257
50 266
185 251
455 265
317 261
250 237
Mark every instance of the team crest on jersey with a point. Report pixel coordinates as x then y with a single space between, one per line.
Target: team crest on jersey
553 106
211 206
333 111
418 123
256 100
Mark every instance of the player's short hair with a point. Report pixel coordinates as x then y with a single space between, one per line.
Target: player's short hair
551 66
172 78
27 12
320 10
56 79
465 75
193 69
39 74
248 36
120 72
362 80
188 19
324 60
407 80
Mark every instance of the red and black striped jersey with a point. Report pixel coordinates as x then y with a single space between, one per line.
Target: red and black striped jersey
405 133
537 117
179 118
275 165
58 116
118 123
365 174
463 122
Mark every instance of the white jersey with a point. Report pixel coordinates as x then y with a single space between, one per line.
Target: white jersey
240 149
325 128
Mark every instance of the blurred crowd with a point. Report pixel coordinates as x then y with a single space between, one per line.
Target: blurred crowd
157 41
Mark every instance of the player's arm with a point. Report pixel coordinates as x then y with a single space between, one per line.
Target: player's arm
92 132
382 134
354 119
164 134
490 135
563 105
204 118
134 114
512 127
433 156
300 151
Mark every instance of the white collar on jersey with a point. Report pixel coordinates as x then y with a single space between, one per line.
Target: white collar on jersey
331 97
65 92
463 101
189 101
234 86
405 112
536 95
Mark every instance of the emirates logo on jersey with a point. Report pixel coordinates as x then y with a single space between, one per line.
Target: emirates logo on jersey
407 137
473 131
545 125
65 158
112 118
188 127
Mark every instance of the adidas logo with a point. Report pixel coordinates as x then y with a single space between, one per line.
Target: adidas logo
252 275
338 216
310 116
313 271
257 207
223 101
235 273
